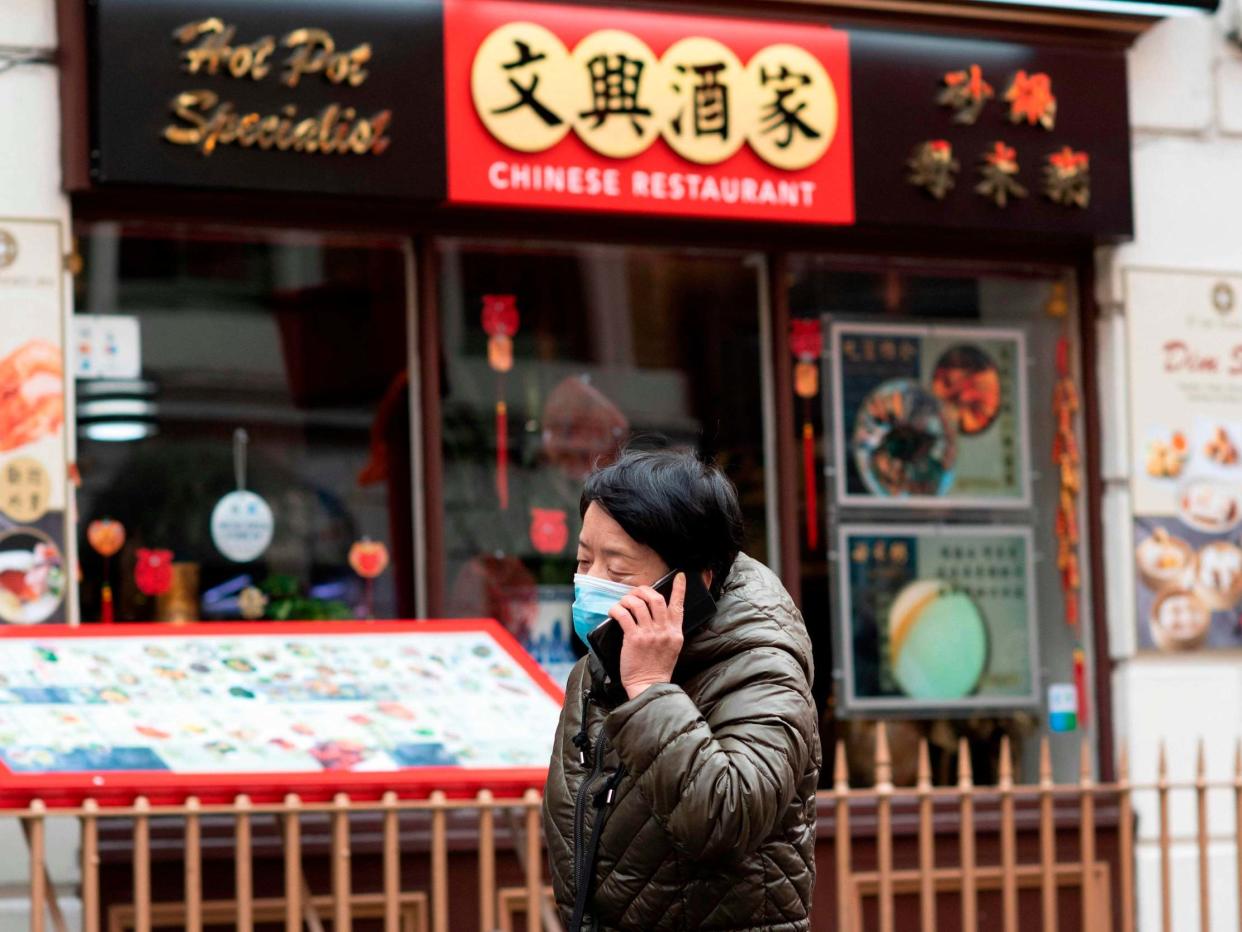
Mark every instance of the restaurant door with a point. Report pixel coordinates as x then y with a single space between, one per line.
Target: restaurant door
551 357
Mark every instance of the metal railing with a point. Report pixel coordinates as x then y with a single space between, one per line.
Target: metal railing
401 911
965 876
918 874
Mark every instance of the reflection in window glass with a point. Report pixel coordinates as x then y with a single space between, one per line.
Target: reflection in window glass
297 340
890 293
552 359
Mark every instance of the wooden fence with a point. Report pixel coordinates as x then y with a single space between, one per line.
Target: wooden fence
925 875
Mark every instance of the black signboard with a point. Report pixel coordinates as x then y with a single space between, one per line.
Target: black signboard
1117 7
1047 107
299 96
347 97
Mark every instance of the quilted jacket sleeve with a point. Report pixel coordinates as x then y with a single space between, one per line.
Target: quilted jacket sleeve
720 784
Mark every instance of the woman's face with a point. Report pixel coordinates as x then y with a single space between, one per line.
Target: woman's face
605 551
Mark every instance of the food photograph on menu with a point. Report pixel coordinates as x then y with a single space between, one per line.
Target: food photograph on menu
1189 570
937 618
929 416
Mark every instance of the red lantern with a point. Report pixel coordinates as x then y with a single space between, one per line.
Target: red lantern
806 338
106 536
153 571
549 531
369 558
500 315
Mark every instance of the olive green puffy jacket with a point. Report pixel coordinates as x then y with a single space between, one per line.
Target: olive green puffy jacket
711 823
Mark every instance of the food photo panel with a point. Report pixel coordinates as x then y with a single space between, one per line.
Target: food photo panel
929 416
937 618
1189 593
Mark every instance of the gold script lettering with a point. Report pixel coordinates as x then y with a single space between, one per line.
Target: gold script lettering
185 107
206 123
314 52
214 49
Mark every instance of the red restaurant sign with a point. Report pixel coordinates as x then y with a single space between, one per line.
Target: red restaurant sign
655 114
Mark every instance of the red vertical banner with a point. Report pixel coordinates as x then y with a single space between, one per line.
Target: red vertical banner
607 109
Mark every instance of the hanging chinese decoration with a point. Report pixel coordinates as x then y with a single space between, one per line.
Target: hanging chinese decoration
242 523
500 323
1031 100
1000 175
933 167
966 93
1067 178
549 530
1067 459
106 538
806 342
153 572
368 558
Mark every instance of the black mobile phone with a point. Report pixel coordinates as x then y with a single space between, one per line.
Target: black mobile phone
699 606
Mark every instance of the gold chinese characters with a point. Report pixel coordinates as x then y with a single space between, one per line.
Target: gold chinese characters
612 91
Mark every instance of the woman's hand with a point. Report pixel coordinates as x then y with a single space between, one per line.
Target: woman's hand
653 635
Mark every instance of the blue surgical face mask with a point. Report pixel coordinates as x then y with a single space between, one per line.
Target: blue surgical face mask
593 599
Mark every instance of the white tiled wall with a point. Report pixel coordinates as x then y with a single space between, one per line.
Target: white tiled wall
30 186
1186 111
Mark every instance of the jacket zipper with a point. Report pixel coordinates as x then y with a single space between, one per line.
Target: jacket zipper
584 792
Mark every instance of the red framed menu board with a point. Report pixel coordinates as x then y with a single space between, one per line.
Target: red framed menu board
314 708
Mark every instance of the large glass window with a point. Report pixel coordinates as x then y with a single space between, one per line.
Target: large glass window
932 537
553 358
297 339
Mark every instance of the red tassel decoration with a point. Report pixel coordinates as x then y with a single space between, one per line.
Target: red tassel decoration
1065 456
502 454
106 538
500 323
806 342
1080 685
808 480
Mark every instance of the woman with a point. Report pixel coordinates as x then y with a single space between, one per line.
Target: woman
682 797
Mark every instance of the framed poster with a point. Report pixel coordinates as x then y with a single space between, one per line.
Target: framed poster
928 417
937 618
1185 359
35 552
314 708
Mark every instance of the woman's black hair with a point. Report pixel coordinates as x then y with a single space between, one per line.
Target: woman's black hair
683 508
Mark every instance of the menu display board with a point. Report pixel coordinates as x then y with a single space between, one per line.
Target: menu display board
937 618
313 708
1185 360
34 579
929 417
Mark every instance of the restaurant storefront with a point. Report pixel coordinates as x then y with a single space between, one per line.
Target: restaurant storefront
407 289
403 273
